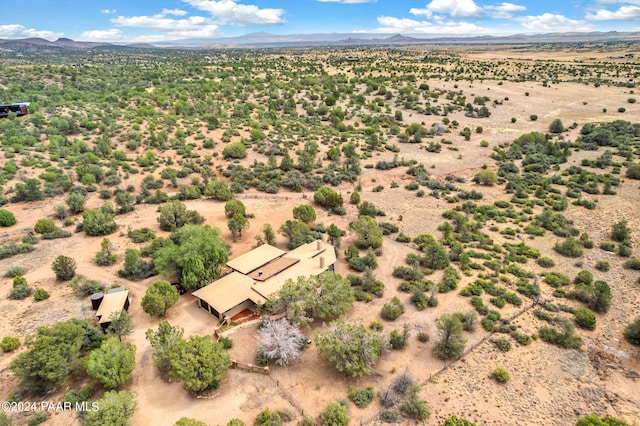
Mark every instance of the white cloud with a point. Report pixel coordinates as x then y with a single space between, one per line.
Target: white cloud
113 34
619 1
174 12
19 31
109 11
453 8
391 25
624 13
504 10
549 22
230 12
348 1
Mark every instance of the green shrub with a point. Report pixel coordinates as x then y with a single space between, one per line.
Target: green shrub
570 247
633 263
20 289
603 265
503 344
362 397
336 414
14 271
234 150
37 418
584 318
43 226
632 332
414 407
64 267
226 342
608 246
141 235
392 310
545 262
501 375
7 218
40 294
9 343
583 277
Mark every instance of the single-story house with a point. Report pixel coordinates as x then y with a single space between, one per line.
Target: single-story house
114 301
259 273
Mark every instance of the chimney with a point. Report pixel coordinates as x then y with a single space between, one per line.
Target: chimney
322 262
318 244
260 273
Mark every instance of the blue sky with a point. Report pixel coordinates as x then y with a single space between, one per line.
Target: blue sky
167 20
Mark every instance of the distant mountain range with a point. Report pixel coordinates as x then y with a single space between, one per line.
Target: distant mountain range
266 40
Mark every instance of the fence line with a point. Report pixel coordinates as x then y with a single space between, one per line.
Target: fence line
447 366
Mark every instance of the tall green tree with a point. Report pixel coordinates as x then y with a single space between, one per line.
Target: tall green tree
452 341
64 267
237 224
53 353
324 296
159 297
200 363
197 252
112 363
114 409
304 213
368 233
121 324
350 348
218 189
174 215
233 207
163 341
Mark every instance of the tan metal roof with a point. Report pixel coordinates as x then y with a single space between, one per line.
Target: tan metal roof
112 302
272 268
304 268
234 288
228 291
255 258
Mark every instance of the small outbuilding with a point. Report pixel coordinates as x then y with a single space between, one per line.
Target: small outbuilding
114 301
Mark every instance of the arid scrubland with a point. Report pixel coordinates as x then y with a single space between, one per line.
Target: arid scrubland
482 201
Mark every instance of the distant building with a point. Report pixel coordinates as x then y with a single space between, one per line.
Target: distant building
21 108
258 274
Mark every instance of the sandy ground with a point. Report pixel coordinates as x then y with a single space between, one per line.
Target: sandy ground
548 386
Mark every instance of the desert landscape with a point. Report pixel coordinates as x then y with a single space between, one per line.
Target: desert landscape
496 175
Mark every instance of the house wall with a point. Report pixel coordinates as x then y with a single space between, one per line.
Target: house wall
247 304
204 305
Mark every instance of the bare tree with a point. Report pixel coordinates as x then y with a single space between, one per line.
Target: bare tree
281 341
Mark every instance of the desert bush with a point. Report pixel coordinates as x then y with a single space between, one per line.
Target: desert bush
336 414
20 289
633 263
570 247
40 294
14 271
392 310
584 318
234 150
545 262
632 332
414 407
9 343
44 225
7 218
603 265
64 267
501 375
502 343
399 340
362 397
141 235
